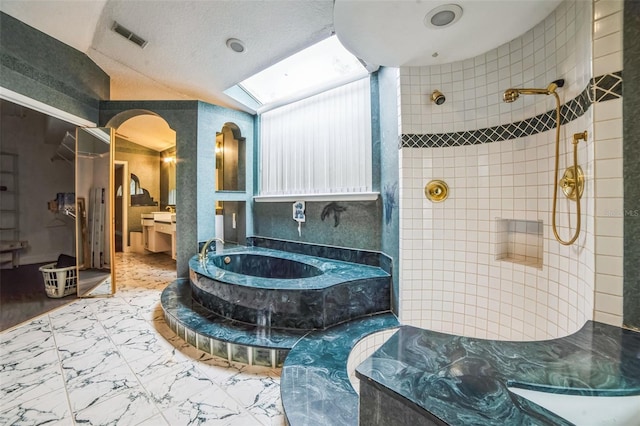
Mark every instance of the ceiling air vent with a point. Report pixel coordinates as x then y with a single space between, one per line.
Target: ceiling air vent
129 35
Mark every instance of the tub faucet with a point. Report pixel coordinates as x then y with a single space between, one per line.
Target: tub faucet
203 252
171 209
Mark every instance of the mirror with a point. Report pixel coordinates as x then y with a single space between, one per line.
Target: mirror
230 159
140 196
168 179
94 192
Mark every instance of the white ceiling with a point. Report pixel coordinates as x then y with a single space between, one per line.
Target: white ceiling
186 57
393 33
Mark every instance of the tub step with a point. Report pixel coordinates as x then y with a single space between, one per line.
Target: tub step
218 336
315 386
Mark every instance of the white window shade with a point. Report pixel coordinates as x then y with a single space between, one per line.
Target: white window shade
319 145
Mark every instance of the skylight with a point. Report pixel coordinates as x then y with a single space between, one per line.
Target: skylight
318 66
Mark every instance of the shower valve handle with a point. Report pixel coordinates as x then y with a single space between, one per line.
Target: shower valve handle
568 183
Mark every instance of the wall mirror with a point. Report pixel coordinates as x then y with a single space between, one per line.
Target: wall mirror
230 159
94 192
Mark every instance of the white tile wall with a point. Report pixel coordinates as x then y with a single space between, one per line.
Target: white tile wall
450 279
609 214
362 350
553 49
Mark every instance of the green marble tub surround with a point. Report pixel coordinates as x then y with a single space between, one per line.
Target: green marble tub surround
289 290
463 380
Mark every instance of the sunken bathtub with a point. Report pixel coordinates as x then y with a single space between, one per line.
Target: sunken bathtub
281 289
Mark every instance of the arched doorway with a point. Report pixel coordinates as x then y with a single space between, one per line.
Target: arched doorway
145 183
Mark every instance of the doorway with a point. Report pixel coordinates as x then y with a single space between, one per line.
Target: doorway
145 195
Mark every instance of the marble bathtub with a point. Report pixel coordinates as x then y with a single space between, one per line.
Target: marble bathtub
265 266
288 290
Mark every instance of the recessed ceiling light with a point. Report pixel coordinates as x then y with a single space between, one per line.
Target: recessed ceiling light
235 45
443 16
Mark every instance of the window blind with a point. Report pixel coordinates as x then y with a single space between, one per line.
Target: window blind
321 144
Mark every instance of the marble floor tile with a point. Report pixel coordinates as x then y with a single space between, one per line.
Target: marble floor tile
22 384
126 408
115 361
50 409
210 408
18 342
85 391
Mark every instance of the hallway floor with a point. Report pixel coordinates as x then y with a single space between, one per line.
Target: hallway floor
114 361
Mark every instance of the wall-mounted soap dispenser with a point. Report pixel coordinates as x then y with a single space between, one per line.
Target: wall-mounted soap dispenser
299 215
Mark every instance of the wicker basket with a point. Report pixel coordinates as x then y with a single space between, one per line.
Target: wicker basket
59 282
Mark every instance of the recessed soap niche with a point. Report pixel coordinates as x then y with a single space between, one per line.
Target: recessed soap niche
519 241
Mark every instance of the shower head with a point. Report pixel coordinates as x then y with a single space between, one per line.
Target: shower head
510 95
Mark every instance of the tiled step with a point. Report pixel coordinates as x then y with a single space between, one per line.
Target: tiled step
222 337
315 386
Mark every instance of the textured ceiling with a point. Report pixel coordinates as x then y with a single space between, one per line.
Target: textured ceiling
187 58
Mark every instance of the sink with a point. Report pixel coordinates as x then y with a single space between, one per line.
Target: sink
162 216
586 410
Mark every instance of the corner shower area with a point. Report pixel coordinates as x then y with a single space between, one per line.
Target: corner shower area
484 262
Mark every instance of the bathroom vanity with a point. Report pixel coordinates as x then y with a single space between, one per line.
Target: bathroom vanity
159 232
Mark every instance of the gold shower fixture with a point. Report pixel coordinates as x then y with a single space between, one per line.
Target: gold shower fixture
436 191
572 182
572 185
437 97
511 95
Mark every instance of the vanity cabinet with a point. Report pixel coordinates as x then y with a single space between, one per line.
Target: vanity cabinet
159 236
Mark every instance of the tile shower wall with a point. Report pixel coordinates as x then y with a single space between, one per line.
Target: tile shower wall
450 278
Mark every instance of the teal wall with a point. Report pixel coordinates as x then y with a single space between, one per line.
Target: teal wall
42 68
182 117
195 124
631 156
360 224
211 119
389 180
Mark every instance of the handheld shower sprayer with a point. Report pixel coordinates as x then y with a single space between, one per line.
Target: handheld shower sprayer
510 95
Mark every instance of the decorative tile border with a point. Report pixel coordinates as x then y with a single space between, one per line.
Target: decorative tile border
600 89
607 87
